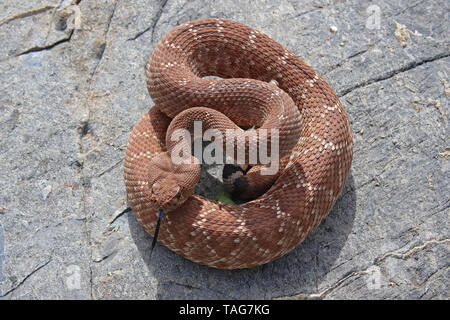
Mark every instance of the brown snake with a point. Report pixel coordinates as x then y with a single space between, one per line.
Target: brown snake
315 144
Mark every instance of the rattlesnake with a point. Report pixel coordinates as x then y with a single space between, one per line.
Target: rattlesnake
255 71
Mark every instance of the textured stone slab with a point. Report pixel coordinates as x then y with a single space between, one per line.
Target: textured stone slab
69 99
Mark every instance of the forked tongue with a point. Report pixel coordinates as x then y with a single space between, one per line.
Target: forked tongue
155 236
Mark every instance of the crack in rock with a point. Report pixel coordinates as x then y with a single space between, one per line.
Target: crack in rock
47 47
26 278
404 255
152 26
26 14
390 74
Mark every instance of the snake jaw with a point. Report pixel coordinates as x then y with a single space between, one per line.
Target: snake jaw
170 184
165 195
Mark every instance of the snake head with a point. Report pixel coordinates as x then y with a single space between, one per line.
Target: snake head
166 195
170 184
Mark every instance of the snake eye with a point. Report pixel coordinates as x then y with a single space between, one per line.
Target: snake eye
178 195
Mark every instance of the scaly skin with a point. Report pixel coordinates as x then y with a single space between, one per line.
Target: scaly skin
311 177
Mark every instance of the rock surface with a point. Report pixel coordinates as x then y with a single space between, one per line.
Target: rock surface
70 97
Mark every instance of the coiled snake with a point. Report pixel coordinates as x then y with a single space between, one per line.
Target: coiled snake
262 85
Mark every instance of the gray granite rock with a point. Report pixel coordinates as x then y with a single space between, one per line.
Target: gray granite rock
70 97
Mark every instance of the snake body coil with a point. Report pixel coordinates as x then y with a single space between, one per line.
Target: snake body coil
314 128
